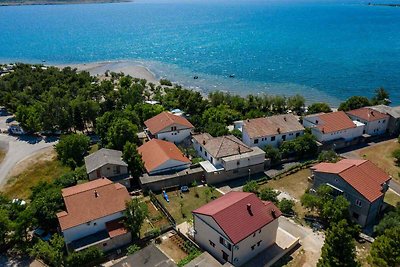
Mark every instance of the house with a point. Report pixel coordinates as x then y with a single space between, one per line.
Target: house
236 227
393 127
93 215
226 157
333 126
149 256
169 127
361 182
271 130
160 156
375 122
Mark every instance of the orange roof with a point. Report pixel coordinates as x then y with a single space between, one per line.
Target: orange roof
164 120
90 201
334 122
362 175
368 114
156 152
116 228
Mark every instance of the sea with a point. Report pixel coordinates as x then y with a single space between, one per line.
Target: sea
324 50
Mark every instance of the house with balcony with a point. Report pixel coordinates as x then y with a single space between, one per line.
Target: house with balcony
93 215
376 122
169 127
226 157
236 227
361 182
271 130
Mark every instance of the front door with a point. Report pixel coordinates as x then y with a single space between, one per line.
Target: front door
98 173
225 256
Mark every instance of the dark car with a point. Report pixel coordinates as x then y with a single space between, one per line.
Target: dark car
10 119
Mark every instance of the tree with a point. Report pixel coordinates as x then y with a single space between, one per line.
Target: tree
385 250
84 257
5 226
135 214
134 160
50 252
339 248
132 249
216 129
304 145
269 194
286 206
251 186
381 97
272 153
328 156
318 108
354 102
120 132
296 103
396 155
390 220
72 149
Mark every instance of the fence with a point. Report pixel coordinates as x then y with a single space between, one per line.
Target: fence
160 206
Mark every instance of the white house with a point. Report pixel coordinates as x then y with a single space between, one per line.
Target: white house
160 156
236 227
169 127
226 157
333 126
376 123
105 163
93 215
271 130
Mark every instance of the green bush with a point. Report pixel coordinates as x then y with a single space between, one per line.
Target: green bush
286 206
272 153
84 257
165 82
396 155
269 194
328 156
132 249
251 186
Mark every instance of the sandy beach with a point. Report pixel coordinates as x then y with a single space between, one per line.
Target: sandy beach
134 69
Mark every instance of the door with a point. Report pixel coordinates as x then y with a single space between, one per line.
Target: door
98 174
224 256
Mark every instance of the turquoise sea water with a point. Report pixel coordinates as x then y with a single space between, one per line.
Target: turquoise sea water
324 50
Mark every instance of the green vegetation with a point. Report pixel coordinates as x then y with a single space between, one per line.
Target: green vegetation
385 251
328 156
135 214
354 102
318 108
2 154
396 155
134 160
381 97
132 249
300 147
193 253
286 206
165 82
339 247
273 153
71 149
50 252
86 257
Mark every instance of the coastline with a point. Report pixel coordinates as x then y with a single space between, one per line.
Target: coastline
62 2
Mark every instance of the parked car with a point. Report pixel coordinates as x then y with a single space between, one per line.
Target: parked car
42 234
10 119
15 130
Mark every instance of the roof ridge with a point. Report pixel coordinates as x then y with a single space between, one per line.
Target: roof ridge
220 145
239 143
88 188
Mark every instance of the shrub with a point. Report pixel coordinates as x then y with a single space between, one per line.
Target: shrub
84 257
396 155
328 156
272 153
165 82
251 186
286 206
269 194
132 249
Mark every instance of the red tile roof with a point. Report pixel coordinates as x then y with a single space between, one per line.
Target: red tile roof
368 114
92 200
116 227
156 152
334 122
164 120
231 213
362 175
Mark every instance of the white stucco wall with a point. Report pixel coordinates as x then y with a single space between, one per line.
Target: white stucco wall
174 136
207 230
376 127
348 134
108 170
89 228
171 165
266 140
244 160
203 153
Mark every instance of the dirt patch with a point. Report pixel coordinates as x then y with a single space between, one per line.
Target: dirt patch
3 154
172 249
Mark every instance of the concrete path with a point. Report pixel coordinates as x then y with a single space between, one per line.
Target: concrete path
18 149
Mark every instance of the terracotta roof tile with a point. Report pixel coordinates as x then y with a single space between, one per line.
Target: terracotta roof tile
90 201
164 120
362 175
116 227
272 125
368 114
334 122
222 146
231 213
156 152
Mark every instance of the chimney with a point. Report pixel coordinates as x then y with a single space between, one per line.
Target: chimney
249 209
278 130
204 142
273 213
96 195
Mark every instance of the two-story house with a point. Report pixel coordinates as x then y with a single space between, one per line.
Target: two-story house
107 163
169 127
226 157
376 123
271 130
393 127
361 182
236 227
94 215
160 156
332 126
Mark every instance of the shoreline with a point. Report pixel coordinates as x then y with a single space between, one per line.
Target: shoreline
63 2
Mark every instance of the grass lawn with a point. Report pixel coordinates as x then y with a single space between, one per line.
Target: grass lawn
295 185
188 200
47 170
381 155
155 219
392 198
2 155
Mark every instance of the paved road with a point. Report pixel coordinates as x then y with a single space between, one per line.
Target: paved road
18 149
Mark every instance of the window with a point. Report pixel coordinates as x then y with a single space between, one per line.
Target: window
212 243
259 231
290 134
273 138
238 162
383 121
254 234
224 255
225 243
201 149
94 224
252 247
211 160
205 153
297 134
358 203
258 243
284 137
255 141
173 128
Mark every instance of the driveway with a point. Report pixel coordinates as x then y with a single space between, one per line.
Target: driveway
18 149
